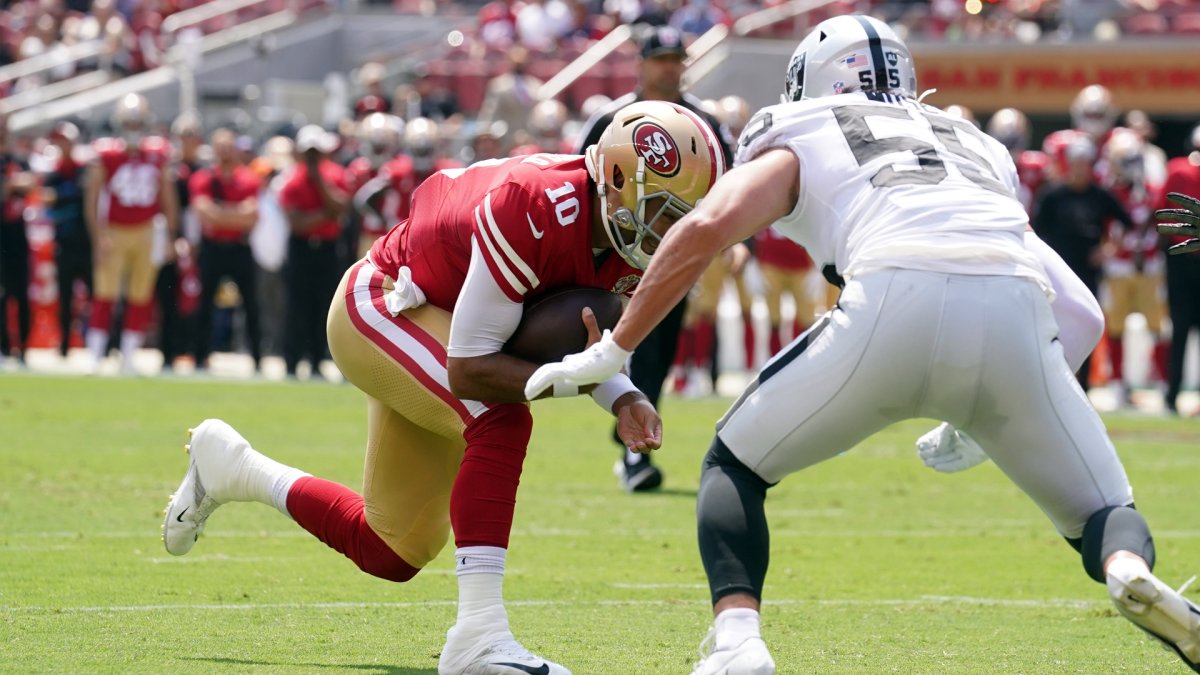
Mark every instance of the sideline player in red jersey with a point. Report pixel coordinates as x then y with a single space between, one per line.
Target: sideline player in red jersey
126 188
379 137
419 326
1011 127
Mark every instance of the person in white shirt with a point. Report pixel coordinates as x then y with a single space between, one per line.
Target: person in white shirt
946 313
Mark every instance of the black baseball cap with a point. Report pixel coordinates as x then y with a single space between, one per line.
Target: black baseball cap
661 41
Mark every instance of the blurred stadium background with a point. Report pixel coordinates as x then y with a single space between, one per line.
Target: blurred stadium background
266 68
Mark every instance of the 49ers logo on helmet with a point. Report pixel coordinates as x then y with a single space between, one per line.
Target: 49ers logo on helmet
657 147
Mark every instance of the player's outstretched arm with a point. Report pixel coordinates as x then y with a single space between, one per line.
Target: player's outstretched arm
1184 222
743 202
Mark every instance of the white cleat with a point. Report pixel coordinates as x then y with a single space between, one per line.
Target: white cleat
751 657
497 654
949 450
1156 608
216 454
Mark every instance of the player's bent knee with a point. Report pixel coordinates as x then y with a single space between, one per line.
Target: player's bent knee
378 560
1112 529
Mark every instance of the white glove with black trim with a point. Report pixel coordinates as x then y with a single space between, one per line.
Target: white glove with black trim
591 366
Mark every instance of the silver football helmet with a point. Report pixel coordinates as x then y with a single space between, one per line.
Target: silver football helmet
846 54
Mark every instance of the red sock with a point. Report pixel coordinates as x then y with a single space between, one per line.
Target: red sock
485 491
684 346
1162 354
137 317
749 344
702 349
101 318
1116 357
776 340
334 514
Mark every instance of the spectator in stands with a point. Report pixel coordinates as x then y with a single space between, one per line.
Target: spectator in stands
1072 217
498 24
542 23
510 97
16 183
314 199
432 101
1183 272
696 17
177 290
63 194
660 79
225 199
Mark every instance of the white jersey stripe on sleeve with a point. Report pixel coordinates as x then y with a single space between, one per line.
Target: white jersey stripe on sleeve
513 257
501 263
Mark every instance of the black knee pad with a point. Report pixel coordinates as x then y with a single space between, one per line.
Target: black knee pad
1112 529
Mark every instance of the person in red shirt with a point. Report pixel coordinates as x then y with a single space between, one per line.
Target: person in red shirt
1182 230
378 207
127 188
314 200
1011 127
225 199
420 326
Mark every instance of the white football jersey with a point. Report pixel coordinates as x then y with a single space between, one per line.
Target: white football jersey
887 182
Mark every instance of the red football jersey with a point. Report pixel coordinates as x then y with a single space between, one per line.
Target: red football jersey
776 250
1032 168
224 190
133 178
1141 244
531 217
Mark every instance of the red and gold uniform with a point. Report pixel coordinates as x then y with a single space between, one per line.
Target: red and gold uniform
1133 272
530 219
786 268
134 192
1033 169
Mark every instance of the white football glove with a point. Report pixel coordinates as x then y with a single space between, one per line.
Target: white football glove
591 366
949 450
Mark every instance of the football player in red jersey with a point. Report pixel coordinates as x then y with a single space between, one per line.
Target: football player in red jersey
1011 127
379 137
126 188
1133 259
419 326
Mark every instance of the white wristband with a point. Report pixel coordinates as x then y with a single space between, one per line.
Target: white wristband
607 392
564 390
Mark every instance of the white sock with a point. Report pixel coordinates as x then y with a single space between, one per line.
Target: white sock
480 572
735 626
631 457
131 341
97 342
266 481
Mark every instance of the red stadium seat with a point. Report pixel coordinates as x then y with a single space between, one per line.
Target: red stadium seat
1145 24
470 84
622 78
594 81
1186 24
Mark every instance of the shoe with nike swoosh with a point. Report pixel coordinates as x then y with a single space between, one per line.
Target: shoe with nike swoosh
496 654
1156 608
217 456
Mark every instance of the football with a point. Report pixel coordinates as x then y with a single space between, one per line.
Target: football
551 326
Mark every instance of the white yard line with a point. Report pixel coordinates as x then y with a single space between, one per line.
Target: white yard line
921 601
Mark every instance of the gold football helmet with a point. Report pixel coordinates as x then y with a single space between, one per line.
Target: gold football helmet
131 118
1093 111
1011 127
1124 153
655 161
379 136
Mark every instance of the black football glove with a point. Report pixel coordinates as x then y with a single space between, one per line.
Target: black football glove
1183 222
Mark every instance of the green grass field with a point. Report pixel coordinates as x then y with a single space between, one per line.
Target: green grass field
879 565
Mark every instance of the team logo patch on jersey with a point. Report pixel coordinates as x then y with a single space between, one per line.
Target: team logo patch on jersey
626 284
657 147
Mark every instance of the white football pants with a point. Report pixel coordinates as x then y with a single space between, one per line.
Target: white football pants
977 351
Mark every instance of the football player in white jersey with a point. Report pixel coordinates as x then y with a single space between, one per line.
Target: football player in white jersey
946 313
